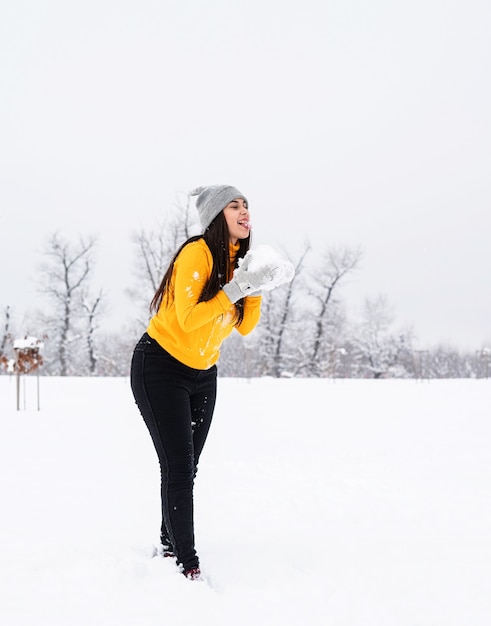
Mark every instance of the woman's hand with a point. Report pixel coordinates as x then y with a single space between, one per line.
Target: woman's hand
256 272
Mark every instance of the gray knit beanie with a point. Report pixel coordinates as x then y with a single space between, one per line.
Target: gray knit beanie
213 199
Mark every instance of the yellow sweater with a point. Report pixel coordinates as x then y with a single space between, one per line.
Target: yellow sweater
193 331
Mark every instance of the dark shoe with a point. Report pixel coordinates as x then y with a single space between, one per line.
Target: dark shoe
193 574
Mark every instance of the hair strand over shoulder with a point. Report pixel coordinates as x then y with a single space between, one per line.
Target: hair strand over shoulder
216 237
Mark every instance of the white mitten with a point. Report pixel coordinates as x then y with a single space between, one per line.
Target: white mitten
260 269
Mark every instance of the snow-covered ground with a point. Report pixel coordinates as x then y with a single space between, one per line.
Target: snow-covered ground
317 502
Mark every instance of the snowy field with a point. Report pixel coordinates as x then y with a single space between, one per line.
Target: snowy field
317 502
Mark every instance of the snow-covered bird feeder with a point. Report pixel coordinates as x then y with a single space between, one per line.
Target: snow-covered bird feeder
28 359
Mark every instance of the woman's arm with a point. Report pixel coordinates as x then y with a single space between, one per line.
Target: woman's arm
192 270
252 314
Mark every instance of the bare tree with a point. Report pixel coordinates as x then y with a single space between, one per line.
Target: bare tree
299 319
155 249
327 315
444 361
6 331
238 357
92 309
279 354
482 363
382 352
65 275
6 337
286 310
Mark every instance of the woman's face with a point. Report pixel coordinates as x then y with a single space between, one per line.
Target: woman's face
237 217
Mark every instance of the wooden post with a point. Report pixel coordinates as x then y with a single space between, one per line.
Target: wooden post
17 384
27 359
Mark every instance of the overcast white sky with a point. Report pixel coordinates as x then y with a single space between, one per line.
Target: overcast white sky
344 122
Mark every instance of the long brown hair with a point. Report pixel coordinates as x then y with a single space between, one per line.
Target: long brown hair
217 238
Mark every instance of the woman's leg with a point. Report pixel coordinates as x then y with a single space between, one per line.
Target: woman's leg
202 408
171 398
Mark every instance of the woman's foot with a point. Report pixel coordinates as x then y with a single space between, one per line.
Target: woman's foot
193 574
168 552
165 551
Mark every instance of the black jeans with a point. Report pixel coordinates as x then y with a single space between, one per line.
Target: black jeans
177 403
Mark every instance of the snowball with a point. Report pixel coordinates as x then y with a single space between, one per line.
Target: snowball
266 255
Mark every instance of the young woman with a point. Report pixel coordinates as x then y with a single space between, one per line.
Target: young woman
203 296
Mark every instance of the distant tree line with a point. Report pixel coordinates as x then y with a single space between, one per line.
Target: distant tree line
304 331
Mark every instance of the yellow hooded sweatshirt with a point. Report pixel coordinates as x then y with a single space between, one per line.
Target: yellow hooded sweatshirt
192 331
